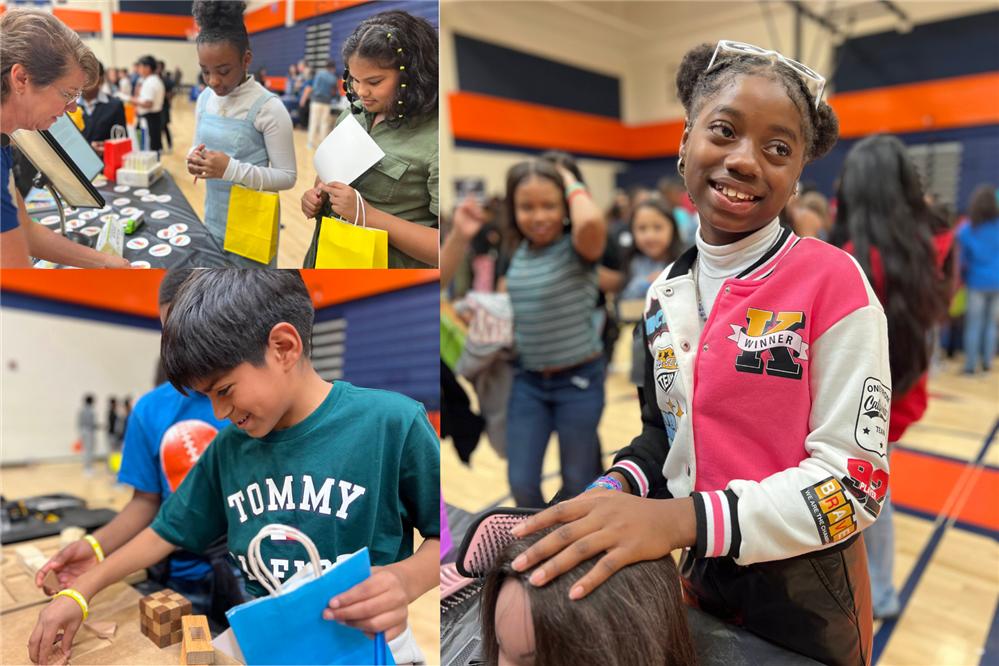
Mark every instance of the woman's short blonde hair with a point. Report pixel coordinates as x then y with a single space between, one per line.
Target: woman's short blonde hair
43 45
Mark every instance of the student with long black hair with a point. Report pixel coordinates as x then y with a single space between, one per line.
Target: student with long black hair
243 134
390 75
883 220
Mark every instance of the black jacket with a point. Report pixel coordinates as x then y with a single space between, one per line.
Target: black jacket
97 126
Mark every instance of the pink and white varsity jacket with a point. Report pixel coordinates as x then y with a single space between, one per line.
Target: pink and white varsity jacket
774 417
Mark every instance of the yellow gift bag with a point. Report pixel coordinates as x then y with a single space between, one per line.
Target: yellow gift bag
251 228
346 245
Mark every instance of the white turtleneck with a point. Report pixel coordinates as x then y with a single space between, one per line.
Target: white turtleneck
721 262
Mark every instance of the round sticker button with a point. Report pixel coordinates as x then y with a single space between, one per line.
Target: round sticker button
160 250
74 224
141 264
159 214
69 210
137 244
149 198
122 188
141 193
51 219
165 234
106 209
131 210
89 215
90 231
121 202
178 228
164 198
110 217
180 241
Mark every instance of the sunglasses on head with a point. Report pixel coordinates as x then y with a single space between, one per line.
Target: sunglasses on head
741 48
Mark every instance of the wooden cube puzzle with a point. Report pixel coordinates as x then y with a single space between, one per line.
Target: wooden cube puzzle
160 617
197 648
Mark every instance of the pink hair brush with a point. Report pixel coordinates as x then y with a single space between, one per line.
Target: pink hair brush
486 537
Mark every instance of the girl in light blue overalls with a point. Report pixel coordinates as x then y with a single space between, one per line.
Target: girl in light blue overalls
231 148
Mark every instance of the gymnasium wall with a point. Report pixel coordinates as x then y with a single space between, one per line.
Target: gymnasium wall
61 340
503 117
277 48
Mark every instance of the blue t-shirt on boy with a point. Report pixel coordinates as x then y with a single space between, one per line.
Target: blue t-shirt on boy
166 435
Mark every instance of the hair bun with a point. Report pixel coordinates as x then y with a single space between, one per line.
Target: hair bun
826 131
691 69
218 14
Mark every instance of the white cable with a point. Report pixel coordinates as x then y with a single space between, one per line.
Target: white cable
261 571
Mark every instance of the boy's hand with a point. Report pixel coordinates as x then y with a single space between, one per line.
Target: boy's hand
378 604
69 563
62 615
626 528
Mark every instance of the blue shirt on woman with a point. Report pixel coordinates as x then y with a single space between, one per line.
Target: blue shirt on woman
980 254
8 193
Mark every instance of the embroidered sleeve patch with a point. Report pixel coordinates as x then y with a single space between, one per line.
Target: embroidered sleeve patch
831 510
871 432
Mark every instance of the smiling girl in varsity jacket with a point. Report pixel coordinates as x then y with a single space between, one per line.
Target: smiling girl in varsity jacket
767 386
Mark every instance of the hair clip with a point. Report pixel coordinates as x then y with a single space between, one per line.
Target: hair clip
403 85
400 101
401 67
399 51
388 35
400 115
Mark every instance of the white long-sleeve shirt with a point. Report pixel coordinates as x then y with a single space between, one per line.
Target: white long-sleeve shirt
273 122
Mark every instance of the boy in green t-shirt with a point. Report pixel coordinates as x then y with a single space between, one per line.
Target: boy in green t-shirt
350 467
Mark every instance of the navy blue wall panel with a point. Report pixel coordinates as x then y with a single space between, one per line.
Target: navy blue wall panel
966 45
393 342
979 162
278 48
501 72
175 7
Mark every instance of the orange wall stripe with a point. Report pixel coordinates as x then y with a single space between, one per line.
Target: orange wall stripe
308 8
137 292
964 101
151 25
80 20
265 18
276 82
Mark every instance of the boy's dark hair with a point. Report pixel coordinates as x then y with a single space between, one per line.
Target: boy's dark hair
171 282
819 126
542 168
983 206
223 318
88 399
221 22
880 206
638 614
148 61
397 39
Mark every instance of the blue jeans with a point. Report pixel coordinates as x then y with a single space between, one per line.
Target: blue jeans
569 402
980 328
880 541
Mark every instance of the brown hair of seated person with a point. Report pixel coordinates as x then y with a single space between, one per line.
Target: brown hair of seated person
636 618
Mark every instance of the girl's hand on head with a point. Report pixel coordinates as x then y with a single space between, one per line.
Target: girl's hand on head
208 163
342 200
468 218
62 616
568 178
625 528
375 605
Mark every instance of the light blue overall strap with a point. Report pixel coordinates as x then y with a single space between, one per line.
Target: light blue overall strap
202 101
251 116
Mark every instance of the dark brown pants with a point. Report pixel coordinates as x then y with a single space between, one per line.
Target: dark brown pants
818 604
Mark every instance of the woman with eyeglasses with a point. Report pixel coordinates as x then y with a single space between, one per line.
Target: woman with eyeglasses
43 67
767 385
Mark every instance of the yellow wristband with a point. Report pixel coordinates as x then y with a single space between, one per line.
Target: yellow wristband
97 548
79 599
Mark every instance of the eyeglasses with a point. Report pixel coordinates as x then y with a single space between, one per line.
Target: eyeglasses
801 70
67 96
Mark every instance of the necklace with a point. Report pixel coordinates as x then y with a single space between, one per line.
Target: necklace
234 100
697 289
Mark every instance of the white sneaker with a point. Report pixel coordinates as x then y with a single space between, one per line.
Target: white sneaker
168 150
310 145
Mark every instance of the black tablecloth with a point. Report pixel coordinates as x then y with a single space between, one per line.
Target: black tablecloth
202 252
718 643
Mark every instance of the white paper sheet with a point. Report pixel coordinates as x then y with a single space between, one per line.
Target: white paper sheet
346 153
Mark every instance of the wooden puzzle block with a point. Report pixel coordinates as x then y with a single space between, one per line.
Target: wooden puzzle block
160 616
197 648
52 581
30 559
